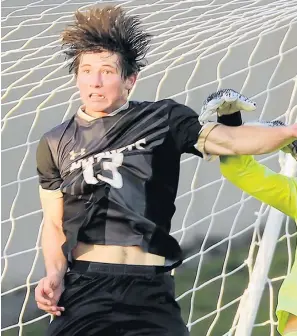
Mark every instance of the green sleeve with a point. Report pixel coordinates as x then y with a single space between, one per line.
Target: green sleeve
262 183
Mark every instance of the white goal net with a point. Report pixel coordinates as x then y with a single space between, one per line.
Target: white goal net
199 46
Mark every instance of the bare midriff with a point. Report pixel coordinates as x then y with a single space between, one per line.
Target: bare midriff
130 255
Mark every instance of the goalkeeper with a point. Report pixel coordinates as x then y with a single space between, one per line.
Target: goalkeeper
269 187
103 175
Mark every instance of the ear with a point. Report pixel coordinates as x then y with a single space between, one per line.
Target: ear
130 81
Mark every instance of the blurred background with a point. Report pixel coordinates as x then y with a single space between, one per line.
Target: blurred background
198 47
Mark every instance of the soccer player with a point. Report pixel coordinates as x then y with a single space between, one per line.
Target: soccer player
108 181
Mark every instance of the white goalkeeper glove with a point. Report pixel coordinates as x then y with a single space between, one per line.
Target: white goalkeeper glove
227 102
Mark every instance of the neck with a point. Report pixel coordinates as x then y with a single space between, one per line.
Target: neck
96 114
100 114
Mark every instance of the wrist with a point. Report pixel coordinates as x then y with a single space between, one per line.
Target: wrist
55 275
233 119
56 272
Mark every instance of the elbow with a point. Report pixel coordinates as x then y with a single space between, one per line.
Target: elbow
52 230
53 223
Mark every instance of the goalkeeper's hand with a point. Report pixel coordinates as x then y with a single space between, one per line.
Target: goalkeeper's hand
225 102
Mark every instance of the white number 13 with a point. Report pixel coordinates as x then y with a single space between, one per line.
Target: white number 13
116 181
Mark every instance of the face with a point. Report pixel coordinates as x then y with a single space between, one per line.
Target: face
101 85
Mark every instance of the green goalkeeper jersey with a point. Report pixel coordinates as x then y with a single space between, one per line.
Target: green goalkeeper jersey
278 191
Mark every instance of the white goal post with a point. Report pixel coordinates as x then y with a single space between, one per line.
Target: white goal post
199 46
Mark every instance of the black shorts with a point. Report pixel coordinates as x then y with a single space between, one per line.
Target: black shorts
113 299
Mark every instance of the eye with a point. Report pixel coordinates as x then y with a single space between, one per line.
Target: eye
106 71
86 71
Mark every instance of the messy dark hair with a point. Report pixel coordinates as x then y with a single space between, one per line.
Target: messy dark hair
107 29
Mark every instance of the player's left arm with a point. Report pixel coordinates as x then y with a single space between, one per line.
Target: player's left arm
257 180
244 140
217 139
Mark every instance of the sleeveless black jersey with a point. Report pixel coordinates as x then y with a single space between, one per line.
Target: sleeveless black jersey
119 175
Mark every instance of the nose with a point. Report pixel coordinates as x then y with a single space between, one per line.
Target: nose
96 80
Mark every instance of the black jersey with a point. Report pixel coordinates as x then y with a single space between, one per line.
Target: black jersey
119 175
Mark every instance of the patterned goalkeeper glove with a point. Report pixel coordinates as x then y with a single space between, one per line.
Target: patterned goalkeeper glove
227 103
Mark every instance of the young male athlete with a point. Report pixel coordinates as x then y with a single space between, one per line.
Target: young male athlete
275 189
108 181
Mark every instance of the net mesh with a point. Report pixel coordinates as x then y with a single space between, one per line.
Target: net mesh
198 47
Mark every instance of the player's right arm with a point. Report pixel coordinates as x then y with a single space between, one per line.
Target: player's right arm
52 235
257 180
49 289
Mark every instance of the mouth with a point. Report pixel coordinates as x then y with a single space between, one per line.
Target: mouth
96 96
